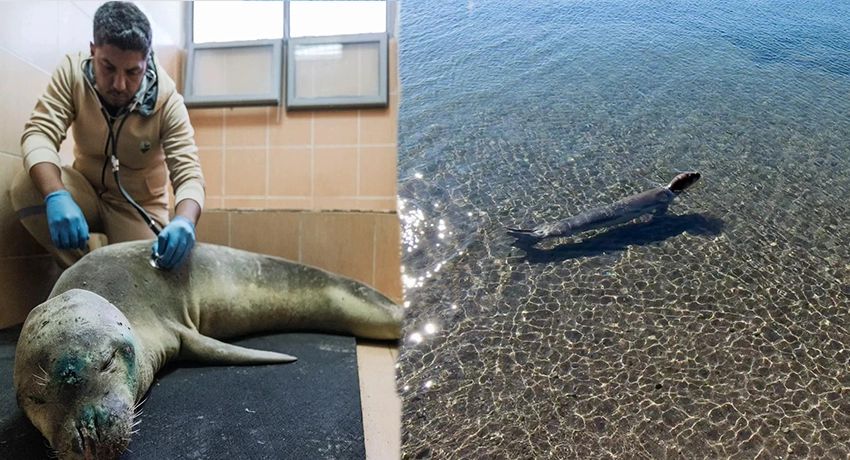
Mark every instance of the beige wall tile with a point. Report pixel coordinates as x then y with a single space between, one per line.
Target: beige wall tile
172 59
18 34
266 232
88 7
335 204
378 204
22 85
291 172
293 129
378 126
15 240
388 256
214 227
303 204
392 62
209 127
74 32
335 172
212 164
254 204
339 242
245 172
335 128
245 126
378 175
26 282
167 19
210 203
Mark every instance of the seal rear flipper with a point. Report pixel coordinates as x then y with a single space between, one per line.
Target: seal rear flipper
197 347
523 236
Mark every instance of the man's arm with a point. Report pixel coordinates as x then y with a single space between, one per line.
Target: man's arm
47 177
189 209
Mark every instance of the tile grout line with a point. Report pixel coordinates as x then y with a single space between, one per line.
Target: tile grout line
268 153
374 249
359 155
223 155
312 159
300 232
25 60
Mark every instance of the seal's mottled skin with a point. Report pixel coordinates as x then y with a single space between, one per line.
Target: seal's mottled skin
88 354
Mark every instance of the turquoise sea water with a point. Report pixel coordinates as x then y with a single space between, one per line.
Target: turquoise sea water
719 330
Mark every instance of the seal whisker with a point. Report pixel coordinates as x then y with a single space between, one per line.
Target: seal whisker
40 381
138 404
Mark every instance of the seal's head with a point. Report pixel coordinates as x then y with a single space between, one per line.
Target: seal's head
683 181
76 377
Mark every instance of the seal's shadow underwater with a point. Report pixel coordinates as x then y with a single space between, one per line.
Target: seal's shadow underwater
620 238
652 203
88 355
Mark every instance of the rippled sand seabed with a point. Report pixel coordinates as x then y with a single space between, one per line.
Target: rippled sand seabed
717 331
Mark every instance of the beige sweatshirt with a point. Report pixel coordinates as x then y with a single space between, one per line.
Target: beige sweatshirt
156 141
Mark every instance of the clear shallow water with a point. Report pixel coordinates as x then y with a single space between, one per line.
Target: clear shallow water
719 330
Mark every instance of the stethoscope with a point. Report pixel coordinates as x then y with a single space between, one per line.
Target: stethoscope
113 141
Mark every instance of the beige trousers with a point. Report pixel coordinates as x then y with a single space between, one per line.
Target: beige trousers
117 219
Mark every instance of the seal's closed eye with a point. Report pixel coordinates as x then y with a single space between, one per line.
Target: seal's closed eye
109 362
36 400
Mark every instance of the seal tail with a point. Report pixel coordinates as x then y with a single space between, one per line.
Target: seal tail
198 347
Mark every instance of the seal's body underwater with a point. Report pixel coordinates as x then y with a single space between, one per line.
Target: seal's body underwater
87 355
653 201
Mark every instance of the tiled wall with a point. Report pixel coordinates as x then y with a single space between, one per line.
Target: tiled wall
361 245
273 177
268 158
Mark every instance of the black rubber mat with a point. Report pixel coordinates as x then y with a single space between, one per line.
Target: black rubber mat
309 409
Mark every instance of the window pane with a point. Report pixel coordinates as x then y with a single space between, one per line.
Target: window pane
237 21
220 71
324 18
337 70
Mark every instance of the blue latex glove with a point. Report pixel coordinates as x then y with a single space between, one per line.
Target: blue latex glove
174 243
68 226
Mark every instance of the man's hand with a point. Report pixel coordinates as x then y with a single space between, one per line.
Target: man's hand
174 242
68 226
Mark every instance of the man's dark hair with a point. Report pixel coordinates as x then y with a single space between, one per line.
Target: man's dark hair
123 25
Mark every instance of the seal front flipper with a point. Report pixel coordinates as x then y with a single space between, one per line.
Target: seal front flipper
660 210
197 347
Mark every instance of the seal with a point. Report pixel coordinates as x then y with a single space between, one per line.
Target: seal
653 201
87 356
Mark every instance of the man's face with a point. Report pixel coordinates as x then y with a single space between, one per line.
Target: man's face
118 73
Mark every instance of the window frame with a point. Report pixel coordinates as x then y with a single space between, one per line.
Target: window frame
303 103
283 57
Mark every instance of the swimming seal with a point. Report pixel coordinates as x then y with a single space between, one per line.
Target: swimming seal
653 201
87 356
